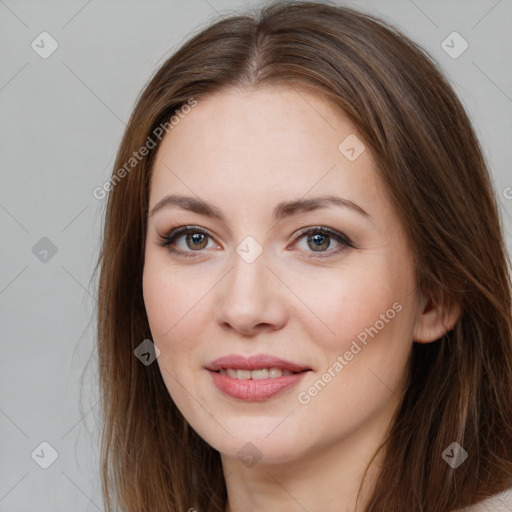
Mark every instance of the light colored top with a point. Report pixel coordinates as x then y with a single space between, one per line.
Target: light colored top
498 503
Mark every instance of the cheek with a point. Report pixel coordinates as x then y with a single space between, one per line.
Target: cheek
173 320
372 312
344 303
167 300
364 363
159 303
365 314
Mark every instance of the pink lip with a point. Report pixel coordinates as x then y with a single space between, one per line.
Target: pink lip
249 389
254 363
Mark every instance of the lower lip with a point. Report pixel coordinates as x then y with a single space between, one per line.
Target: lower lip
251 390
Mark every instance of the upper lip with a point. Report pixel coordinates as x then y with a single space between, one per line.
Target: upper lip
255 362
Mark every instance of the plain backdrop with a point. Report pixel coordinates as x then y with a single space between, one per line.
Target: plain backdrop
63 117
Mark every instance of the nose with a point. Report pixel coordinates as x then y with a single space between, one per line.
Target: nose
251 299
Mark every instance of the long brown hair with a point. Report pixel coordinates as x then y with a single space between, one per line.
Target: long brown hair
460 386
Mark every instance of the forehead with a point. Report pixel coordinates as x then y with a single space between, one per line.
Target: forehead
265 145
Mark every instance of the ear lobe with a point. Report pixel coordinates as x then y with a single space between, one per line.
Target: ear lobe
435 320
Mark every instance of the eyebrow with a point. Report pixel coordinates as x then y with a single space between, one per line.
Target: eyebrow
281 211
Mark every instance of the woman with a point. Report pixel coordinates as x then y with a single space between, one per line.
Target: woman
304 299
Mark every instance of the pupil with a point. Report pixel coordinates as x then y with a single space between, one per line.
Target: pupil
197 238
319 241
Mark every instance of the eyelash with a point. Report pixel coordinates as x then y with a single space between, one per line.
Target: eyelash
174 234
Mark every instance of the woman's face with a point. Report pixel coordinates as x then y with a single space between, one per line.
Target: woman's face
254 278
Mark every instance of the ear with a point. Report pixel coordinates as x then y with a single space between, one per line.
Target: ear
436 317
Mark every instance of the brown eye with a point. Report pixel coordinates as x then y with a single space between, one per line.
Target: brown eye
196 241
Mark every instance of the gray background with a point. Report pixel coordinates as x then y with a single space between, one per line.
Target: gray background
62 121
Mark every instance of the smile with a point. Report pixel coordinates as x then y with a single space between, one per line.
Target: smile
263 373
254 378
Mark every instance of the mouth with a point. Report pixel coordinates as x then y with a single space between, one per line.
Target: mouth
254 378
261 366
259 374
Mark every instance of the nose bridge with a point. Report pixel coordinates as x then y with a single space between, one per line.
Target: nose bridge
249 295
247 284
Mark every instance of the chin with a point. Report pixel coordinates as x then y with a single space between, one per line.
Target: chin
260 441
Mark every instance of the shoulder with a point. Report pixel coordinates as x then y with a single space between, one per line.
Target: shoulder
498 503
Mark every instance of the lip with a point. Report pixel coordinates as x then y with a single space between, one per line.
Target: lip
254 390
255 362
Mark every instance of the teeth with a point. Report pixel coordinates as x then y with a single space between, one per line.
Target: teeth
275 372
243 374
260 374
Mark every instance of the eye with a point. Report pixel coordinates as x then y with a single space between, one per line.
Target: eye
195 239
319 238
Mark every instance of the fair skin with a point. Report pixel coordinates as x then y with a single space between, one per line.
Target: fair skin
245 151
